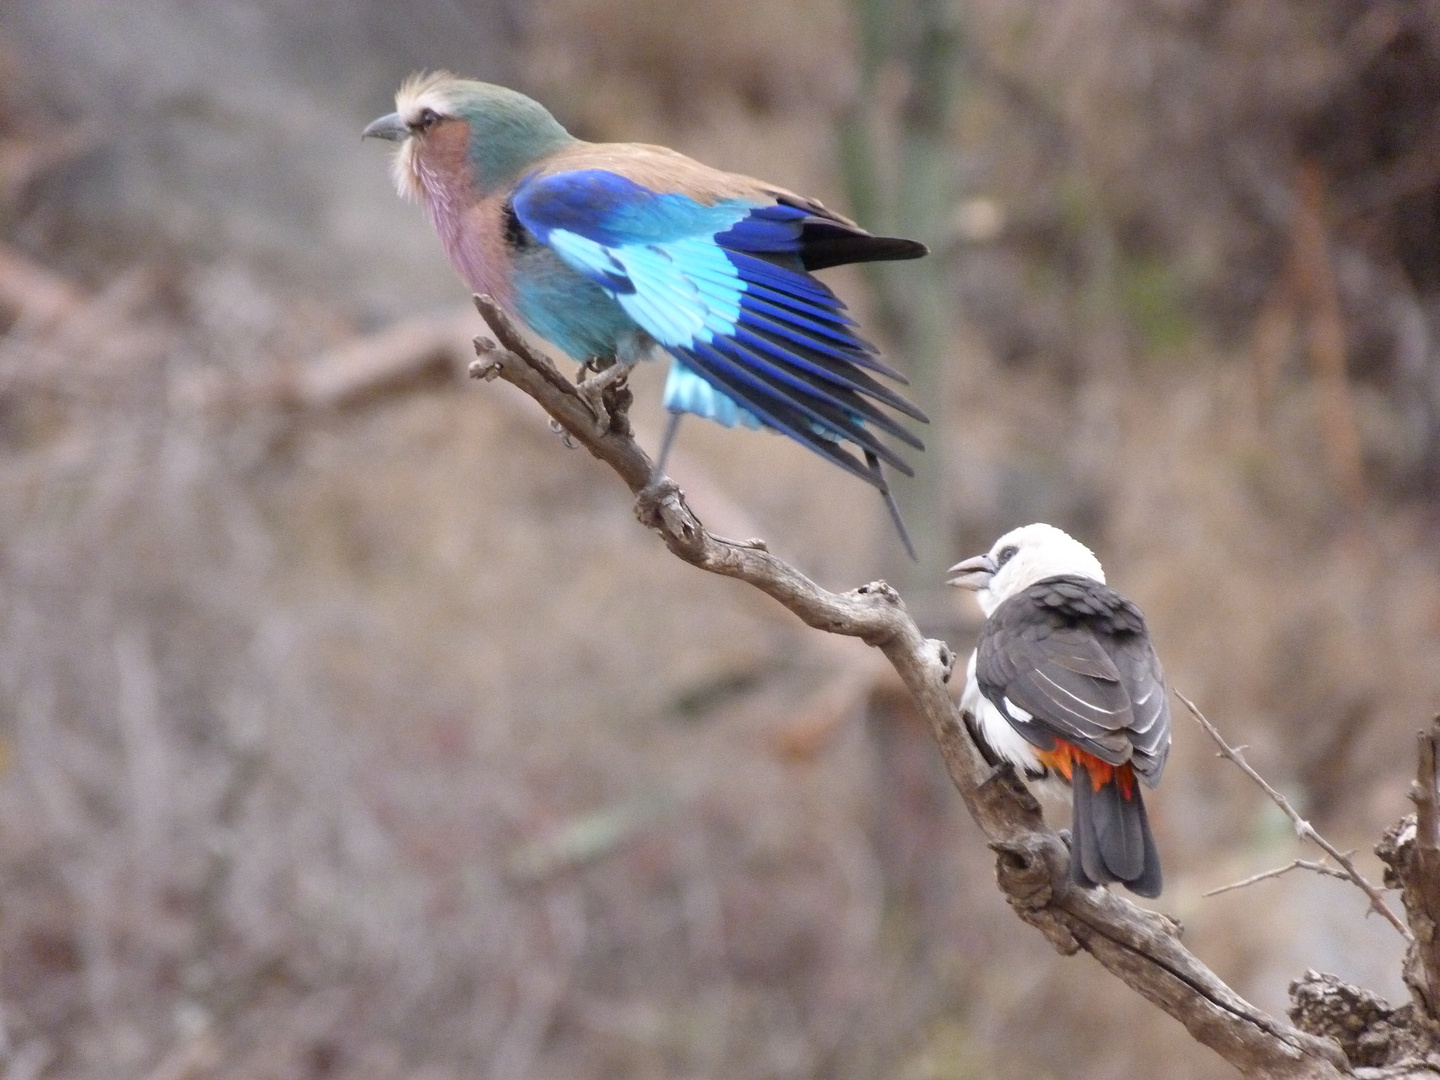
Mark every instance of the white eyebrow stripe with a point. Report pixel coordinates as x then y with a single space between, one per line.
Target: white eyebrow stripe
1076 697
409 105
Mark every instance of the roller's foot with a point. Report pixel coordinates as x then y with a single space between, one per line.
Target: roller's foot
595 389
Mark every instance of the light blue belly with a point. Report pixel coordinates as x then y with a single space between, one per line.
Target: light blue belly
573 313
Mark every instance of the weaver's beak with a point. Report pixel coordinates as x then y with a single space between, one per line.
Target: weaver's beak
389 127
972 574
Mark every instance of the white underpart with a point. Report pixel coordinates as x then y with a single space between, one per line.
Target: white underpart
1007 743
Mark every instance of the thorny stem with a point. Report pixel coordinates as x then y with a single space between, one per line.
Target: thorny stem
1303 828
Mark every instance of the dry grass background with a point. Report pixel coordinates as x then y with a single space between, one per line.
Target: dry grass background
378 740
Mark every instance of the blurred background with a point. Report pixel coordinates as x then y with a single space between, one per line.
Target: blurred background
351 727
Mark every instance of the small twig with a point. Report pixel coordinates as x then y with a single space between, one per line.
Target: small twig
1264 875
1303 828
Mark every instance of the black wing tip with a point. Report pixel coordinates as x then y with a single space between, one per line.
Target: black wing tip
821 252
902 249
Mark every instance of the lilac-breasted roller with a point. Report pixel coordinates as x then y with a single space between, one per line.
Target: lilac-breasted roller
608 250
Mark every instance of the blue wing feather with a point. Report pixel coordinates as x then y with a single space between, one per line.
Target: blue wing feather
687 392
772 410
830 416
722 288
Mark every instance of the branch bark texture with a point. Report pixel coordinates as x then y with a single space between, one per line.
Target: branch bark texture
1142 948
1411 853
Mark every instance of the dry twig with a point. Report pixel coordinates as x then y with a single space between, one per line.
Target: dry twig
1321 867
1303 828
1140 947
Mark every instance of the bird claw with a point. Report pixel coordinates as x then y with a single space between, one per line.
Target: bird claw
594 400
565 439
606 396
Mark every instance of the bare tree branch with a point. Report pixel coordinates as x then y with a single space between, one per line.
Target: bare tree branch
1427 853
1411 852
1303 828
1140 947
1265 875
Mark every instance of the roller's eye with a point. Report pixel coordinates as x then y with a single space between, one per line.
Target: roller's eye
427 119
1006 554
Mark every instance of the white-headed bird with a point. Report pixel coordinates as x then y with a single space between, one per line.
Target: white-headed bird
1065 683
609 250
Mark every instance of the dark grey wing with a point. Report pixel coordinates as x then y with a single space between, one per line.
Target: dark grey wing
1144 681
1053 680
1074 655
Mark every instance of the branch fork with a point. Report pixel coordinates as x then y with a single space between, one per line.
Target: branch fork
1140 947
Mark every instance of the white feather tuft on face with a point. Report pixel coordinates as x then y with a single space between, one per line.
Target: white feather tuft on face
421 91
403 172
1041 551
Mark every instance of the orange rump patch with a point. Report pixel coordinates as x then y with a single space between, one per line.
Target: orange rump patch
1065 757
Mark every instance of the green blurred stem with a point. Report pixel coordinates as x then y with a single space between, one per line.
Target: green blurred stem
924 39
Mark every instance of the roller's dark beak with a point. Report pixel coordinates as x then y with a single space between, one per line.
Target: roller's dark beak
389 127
972 574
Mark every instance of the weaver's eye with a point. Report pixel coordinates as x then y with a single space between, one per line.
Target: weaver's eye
1006 554
427 119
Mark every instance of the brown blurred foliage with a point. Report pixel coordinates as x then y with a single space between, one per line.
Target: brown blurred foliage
351 727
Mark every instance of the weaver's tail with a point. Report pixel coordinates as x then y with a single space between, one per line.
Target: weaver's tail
1110 834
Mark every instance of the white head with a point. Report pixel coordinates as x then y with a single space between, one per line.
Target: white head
1019 559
